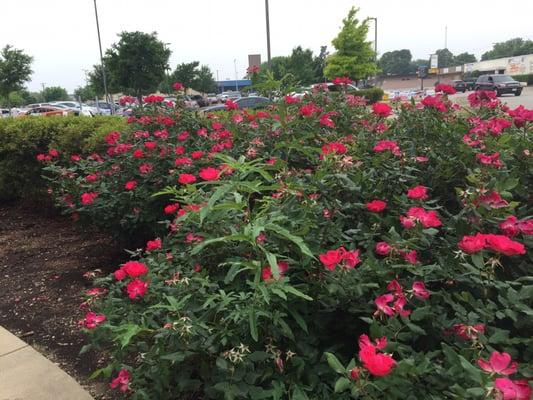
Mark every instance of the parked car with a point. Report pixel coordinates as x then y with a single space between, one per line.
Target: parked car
252 102
230 95
48 111
84 109
501 84
4 113
200 100
470 83
459 85
212 98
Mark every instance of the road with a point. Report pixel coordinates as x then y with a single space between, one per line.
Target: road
525 99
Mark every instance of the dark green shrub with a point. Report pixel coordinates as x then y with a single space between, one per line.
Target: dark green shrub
524 78
22 138
373 95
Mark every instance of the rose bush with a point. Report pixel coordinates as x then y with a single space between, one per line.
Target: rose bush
320 249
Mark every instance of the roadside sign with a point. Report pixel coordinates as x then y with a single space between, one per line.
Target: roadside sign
434 61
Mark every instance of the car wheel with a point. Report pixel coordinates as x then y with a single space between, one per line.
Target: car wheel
518 93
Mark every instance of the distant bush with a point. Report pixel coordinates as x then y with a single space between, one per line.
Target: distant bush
524 78
22 138
373 95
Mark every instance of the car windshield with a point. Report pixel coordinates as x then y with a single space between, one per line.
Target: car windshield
502 78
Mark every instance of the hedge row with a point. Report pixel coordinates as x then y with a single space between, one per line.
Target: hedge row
22 138
524 78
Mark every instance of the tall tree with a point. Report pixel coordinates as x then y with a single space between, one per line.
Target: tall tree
397 62
464 58
510 48
15 70
186 74
55 93
319 63
205 82
354 57
417 63
137 63
446 58
301 65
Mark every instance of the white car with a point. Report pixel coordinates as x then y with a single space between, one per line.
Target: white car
84 109
4 113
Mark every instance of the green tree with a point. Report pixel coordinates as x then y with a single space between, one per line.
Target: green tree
510 48
95 82
354 57
300 65
86 92
446 58
54 93
397 62
137 63
464 58
186 74
205 82
319 63
15 70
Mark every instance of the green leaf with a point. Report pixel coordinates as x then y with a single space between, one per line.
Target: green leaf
477 259
295 239
342 384
174 357
233 272
273 262
335 364
252 318
472 371
296 292
298 394
127 332
299 320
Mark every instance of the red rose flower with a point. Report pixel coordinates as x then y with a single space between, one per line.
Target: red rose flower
186 179
512 390
209 174
130 185
419 290
266 272
418 193
445 89
171 208
472 244
88 198
378 364
381 109
152 245
499 363
376 205
136 288
92 320
502 244
133 269
383 248
178 86
122 381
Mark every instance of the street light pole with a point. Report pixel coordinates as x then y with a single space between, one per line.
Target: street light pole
268 33
236 81
107 98
375 38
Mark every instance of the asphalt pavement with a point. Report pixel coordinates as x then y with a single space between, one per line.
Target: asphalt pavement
525 99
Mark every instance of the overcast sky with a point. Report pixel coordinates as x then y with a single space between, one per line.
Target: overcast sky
61 34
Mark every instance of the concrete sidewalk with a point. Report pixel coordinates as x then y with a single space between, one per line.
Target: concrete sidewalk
26 375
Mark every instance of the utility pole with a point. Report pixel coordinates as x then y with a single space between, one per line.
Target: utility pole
446 37
236 80
269 59
375 38
42 84
107 98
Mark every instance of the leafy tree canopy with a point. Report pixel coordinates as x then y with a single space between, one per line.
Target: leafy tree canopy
464 58
510 48
15 70
354 57
137 63
54 93
397 62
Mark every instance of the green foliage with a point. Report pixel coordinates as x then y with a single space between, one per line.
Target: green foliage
240 302
54 93
528 78
191 75
354 57
21 139
397 62
510 48
15 70
464 58
373 95
137 63
446 58
301 66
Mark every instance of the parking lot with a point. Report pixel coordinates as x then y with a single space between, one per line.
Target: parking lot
525 99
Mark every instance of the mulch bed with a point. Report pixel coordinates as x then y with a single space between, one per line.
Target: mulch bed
43 259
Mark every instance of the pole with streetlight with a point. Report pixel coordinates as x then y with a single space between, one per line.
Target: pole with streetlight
268 33
236 80
375 38
104 78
